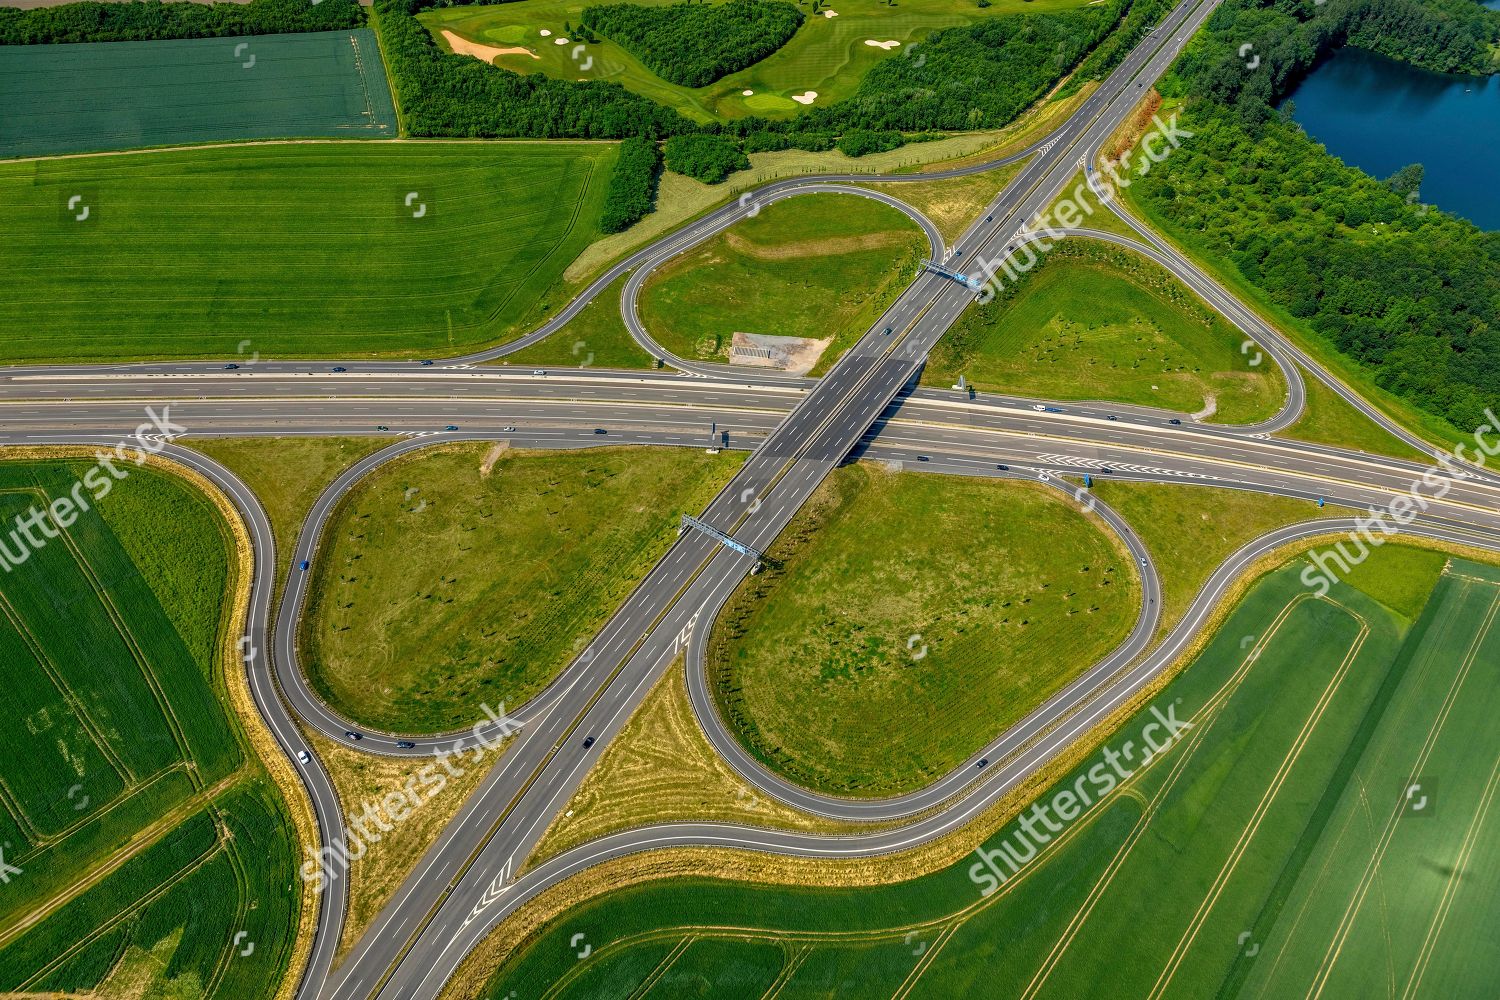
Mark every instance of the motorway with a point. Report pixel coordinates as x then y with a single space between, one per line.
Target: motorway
796 430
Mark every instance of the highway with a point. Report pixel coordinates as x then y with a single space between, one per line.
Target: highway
796 430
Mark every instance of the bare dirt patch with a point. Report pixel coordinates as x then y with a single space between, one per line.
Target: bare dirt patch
492 456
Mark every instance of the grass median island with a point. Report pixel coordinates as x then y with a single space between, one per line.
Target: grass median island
1097 323
1189 529
472 574
910 619
321 249
140 830
595 338
1292 784
820 267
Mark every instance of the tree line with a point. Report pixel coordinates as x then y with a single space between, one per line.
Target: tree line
151 20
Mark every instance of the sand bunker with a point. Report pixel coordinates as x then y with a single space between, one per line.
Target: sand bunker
747 93
484 53
807 98
882 45
830 13
545 32
559 41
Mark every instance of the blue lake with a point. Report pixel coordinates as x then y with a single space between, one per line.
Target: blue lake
1379 115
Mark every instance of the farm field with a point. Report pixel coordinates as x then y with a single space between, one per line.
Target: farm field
827 56
902 596
1326 823
818 266
142 833
322 249
409 626
1090 323
83 98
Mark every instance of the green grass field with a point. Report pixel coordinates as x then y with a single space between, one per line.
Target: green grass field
1108 327
819 266
442 586
813 663
828 55
1326 825
123 95
121 772
595 338
296 250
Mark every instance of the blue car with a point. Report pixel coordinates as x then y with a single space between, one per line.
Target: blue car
451 427
305 564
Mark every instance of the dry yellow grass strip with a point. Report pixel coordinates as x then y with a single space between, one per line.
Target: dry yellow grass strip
661 768
366 778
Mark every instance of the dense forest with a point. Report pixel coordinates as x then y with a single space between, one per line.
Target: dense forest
632 186
1411 293
709 158
441 94
149 20
1449 36
973 77
693 45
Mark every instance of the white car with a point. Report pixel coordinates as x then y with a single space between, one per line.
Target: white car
302 756
1038 407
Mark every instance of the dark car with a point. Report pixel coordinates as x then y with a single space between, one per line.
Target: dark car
983 761
1107 471
1111 417
381 427
600 430
1003 468
923 458
425 361
340 368
588 741
1174 420
305 564
451 427
230 368
406 744
988 218
887 332
351 734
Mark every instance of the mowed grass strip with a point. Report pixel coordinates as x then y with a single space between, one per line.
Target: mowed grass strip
818 266
342 249
828 55
473 574
1104 325
910 619
80 98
